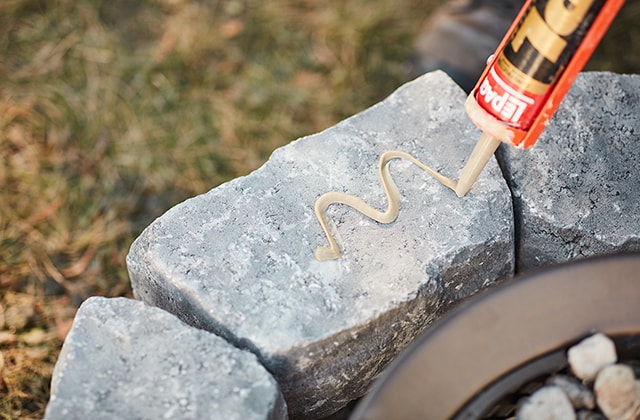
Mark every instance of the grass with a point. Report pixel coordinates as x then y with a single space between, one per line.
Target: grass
113 111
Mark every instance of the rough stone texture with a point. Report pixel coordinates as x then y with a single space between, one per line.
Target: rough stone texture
125 360
576 191
238 260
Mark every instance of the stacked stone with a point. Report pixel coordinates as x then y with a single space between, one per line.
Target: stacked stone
238 261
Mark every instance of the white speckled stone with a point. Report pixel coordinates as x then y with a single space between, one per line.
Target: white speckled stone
548 403
576 191
125 360
239 261
590 355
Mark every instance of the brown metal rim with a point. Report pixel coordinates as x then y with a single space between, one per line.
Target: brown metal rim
502 330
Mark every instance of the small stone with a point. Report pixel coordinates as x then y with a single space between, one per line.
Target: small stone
590 355
549 403
618 393
579 395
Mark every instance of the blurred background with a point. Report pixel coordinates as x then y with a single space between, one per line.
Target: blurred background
113 111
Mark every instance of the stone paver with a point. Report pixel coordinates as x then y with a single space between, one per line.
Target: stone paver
576 192
125 360
238 260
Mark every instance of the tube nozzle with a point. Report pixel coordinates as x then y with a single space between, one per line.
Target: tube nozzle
482 152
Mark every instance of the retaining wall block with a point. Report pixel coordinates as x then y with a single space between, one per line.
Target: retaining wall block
577 191
238 261
123 359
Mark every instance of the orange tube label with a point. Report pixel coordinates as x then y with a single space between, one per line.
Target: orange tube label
544 40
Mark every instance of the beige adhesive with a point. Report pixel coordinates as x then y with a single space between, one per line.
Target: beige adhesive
482 152
479 157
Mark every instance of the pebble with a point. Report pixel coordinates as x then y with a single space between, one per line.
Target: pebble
579 395
618 392
607 391
549 403
590 355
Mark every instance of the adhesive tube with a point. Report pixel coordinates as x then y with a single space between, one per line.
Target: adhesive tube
534 66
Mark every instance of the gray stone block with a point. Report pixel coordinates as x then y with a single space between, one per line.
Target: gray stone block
125 360
576 192
239 261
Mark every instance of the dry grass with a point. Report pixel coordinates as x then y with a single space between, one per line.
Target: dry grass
113 111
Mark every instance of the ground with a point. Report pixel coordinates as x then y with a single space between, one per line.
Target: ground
111 112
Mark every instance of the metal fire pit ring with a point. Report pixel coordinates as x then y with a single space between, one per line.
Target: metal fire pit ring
506 336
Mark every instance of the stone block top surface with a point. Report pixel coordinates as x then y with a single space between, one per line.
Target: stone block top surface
245 248
123 359
239 260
